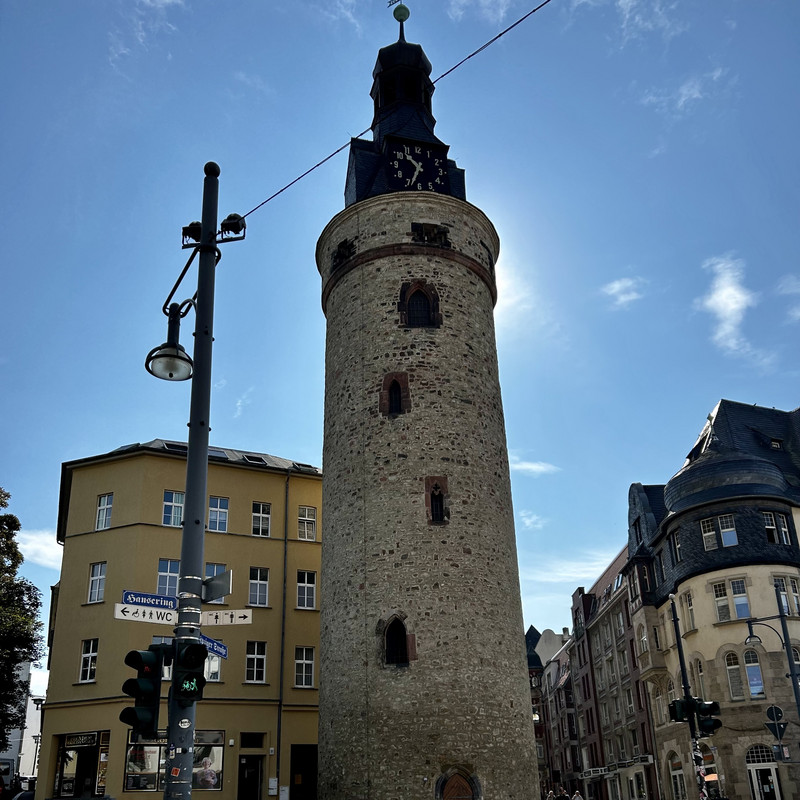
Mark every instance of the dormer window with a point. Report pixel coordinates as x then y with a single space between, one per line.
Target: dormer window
776 444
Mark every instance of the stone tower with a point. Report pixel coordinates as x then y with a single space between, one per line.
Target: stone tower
423 685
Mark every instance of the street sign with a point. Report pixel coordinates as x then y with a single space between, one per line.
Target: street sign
215 648
774 713
217 586
240 616
777 729
130 598
163 616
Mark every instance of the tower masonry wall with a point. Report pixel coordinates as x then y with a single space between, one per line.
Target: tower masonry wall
462 702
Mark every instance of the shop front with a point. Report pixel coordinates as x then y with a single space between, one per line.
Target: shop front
82 761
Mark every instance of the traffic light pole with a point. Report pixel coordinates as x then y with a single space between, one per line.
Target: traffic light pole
181 717
697 756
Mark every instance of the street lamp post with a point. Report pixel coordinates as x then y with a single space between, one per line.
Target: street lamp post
170 362
752 638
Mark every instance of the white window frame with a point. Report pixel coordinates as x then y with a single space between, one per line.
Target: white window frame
258 587
97 582
168 575
690 611
727 530
307 523
783 529
709 533
755 677
105 503
88 671
735 685
304 667
212 669
256 663
723 608
261 518
172 513
218 508
306 589
739 591
770 527
212 570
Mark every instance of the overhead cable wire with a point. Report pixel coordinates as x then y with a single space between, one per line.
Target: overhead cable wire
364 132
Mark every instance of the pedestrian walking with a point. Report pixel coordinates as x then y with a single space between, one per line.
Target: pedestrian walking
577 795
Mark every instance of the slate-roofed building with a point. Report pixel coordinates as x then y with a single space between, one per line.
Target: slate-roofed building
719 536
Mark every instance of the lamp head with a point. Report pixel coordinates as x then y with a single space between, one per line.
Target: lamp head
170 361
753 638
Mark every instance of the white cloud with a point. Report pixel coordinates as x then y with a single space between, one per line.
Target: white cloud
639 17
679 102
624 291
535 468
531 521
493 10
40 547
252 82
573 568
243 401
142 20
728 300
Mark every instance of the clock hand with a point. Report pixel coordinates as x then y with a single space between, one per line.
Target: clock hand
417 168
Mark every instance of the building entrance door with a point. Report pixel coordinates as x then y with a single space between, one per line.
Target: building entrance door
457 788
303 769
763 783
251 777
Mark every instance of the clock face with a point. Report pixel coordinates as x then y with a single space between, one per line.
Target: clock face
417 167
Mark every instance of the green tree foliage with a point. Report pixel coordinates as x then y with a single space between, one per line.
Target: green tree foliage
20 628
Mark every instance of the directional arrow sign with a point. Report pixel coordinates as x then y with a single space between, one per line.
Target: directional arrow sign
232 616
776 729
163 616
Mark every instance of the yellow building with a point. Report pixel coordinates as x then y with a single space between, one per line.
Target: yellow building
119 522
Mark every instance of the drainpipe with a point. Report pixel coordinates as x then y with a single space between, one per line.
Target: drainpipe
283 630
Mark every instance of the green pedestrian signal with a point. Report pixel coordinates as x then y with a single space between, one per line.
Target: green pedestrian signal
189 679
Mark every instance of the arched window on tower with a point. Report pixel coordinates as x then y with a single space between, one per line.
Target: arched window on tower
396 643
419 310
395 398
437 500
418 305
437 504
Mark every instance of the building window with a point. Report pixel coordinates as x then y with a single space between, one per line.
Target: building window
173 508
658 698
656 638
211 571
755 681
795 594
727 529
307 523
256 664
144 763
419 305
770 527
734 676
670 690
396 643
740 603
212 668
104 503
436 500
701 683
781 586
166 671
261 512
642 639
676 547
395 395
709 534
218 514
304 667
97 582
721 601
168 571
783 529
88 661
690 611
306 589
676 777
660 567
259 586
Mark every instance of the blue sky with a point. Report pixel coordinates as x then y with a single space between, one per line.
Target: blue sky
638 158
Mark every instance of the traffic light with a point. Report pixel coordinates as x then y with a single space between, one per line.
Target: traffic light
707 722
145 688
679 710
189 679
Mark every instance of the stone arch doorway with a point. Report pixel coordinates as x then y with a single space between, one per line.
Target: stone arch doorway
458 784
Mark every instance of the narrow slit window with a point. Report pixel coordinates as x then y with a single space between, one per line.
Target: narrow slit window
437 504
396 643
395 398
